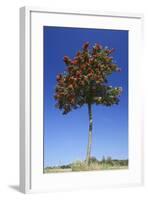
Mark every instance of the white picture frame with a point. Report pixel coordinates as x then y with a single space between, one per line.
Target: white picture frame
32 178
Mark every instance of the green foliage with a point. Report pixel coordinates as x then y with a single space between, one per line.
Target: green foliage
93 159
95 164
109 160
103 159
85 79
79 166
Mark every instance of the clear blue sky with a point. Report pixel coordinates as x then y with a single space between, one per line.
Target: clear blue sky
65 136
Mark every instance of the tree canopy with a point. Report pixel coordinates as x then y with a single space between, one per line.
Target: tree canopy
84 80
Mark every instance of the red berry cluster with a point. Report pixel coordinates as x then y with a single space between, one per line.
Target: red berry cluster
85 80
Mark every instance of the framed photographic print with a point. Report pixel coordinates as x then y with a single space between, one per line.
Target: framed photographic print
80 100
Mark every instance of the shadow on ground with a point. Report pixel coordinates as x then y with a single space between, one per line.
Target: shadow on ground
15 187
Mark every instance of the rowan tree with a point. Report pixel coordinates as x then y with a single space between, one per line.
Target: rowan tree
84 82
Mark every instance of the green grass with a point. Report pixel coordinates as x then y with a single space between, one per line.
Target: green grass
78 166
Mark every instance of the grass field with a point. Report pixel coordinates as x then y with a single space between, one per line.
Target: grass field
94 165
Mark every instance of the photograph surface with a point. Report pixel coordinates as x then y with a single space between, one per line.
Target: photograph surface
85 99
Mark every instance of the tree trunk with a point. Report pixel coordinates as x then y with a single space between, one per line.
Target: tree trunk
89 135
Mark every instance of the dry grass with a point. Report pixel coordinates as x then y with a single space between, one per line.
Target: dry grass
56 170
82 166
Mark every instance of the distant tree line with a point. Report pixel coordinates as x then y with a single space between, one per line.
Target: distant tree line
109 160
105 161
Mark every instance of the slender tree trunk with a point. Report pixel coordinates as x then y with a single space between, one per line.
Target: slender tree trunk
89 135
